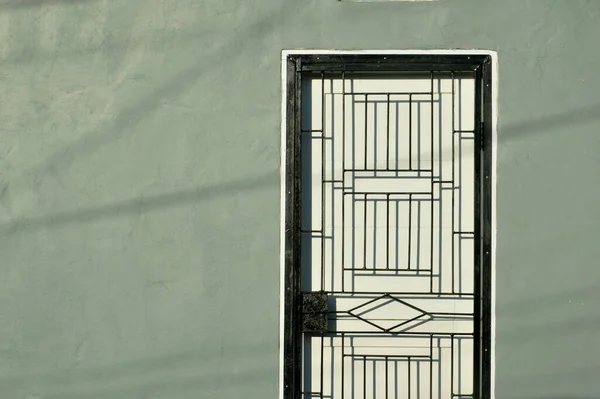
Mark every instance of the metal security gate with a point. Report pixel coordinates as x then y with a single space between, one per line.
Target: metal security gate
387 273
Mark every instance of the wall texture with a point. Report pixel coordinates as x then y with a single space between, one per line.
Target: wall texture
139 188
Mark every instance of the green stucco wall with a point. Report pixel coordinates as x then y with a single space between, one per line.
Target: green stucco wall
139 188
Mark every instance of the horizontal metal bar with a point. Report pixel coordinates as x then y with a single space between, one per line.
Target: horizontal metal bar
402 334
389 192
387 271
392 62
399 294
390 93
438 59
449 314
390 184
425 67
387 170
391 357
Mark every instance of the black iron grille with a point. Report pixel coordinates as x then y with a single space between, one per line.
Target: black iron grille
387 171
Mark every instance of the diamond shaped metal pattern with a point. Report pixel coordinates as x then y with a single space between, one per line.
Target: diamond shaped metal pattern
378 312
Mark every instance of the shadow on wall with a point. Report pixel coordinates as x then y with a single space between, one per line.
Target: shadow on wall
538 126
24 4
137 205
250 183
153 374
91 141
176 86
172 88
187 371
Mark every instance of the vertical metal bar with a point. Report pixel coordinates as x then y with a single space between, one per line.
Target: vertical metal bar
343 182
387 203
453 186
461 164
365 233
432 173
374 363
396 378
323 141
353 377
451 365
292 330
353 196
433 202
410 132
387 388
364 377
432 125
419 130
321 382
397 232
373 219
366 142
375 130
409 377
387 152
431 366
418 238
439 205
409 226
459 360
486 265
397 141
343 361
478 240
331 190
387 233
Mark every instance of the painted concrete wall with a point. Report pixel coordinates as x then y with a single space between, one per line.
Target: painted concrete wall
139 188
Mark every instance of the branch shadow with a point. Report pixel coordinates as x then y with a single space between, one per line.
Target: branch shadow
93 140
118 209
133 376
178 85
26 4
536 126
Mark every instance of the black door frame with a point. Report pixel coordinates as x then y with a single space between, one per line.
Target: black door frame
295 65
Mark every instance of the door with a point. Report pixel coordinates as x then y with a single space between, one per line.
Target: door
387 228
